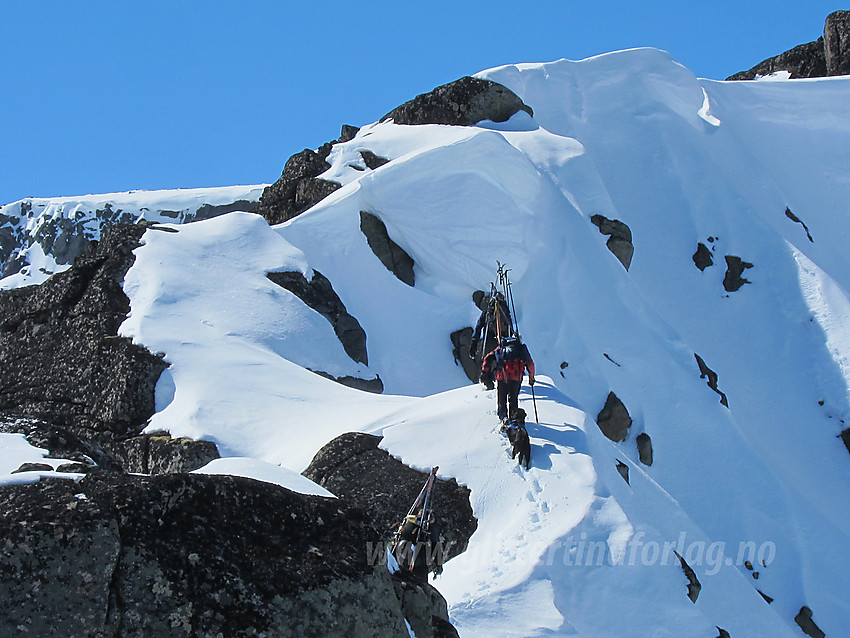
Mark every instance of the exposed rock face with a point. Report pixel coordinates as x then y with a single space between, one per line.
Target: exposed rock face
461 341
796 219
614 419
623 470
60 356
373 161
464 102
393 256
694 586
161 454
644 444
707 373
318 293
828 55
424 609
186 555
805 622
735 267
375 386
298 187
619 240
803 61
836 40
352 467
702 257
64 230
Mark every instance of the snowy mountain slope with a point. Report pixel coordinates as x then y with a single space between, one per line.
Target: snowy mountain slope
568 547
42 236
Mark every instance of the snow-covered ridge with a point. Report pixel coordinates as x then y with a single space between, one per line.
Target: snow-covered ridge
745 491
42 236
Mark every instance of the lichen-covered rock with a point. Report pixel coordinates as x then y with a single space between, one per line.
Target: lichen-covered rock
318 293
424 608
60 356
464 102
192 555
390 254
161 454
614 419
355 469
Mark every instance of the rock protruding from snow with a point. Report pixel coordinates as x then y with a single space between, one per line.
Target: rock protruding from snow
694 586
299 186
60 356
804 620
827 56
188 554
790 215
461 342
393 256
614 419
735 267
464 102
619 238
162 454
318 293
702 257
707 373
644 445
357 471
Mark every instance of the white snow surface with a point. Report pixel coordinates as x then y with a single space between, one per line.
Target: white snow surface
566 548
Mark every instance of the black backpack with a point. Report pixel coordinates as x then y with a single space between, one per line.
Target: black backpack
511 349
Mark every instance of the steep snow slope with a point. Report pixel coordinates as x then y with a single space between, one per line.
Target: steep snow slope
568 547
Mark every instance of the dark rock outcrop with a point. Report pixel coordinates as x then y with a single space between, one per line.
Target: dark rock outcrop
61 359
796 219
694 586
623 470
464 102
356 470
644 445
161 454
805 622
393 256
836 42
735 267
707 373
318 293
803 61
828 55
424 609
845 437
702 257
461 341
619 238
723 633
375 386
614 419
298 187
373 161
185 554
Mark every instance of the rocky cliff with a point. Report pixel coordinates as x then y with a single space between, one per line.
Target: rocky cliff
826 56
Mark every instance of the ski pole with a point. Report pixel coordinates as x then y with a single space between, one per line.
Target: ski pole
534 402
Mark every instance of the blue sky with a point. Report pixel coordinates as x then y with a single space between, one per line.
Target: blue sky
120 95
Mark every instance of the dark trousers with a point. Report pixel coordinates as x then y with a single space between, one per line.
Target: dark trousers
508 397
